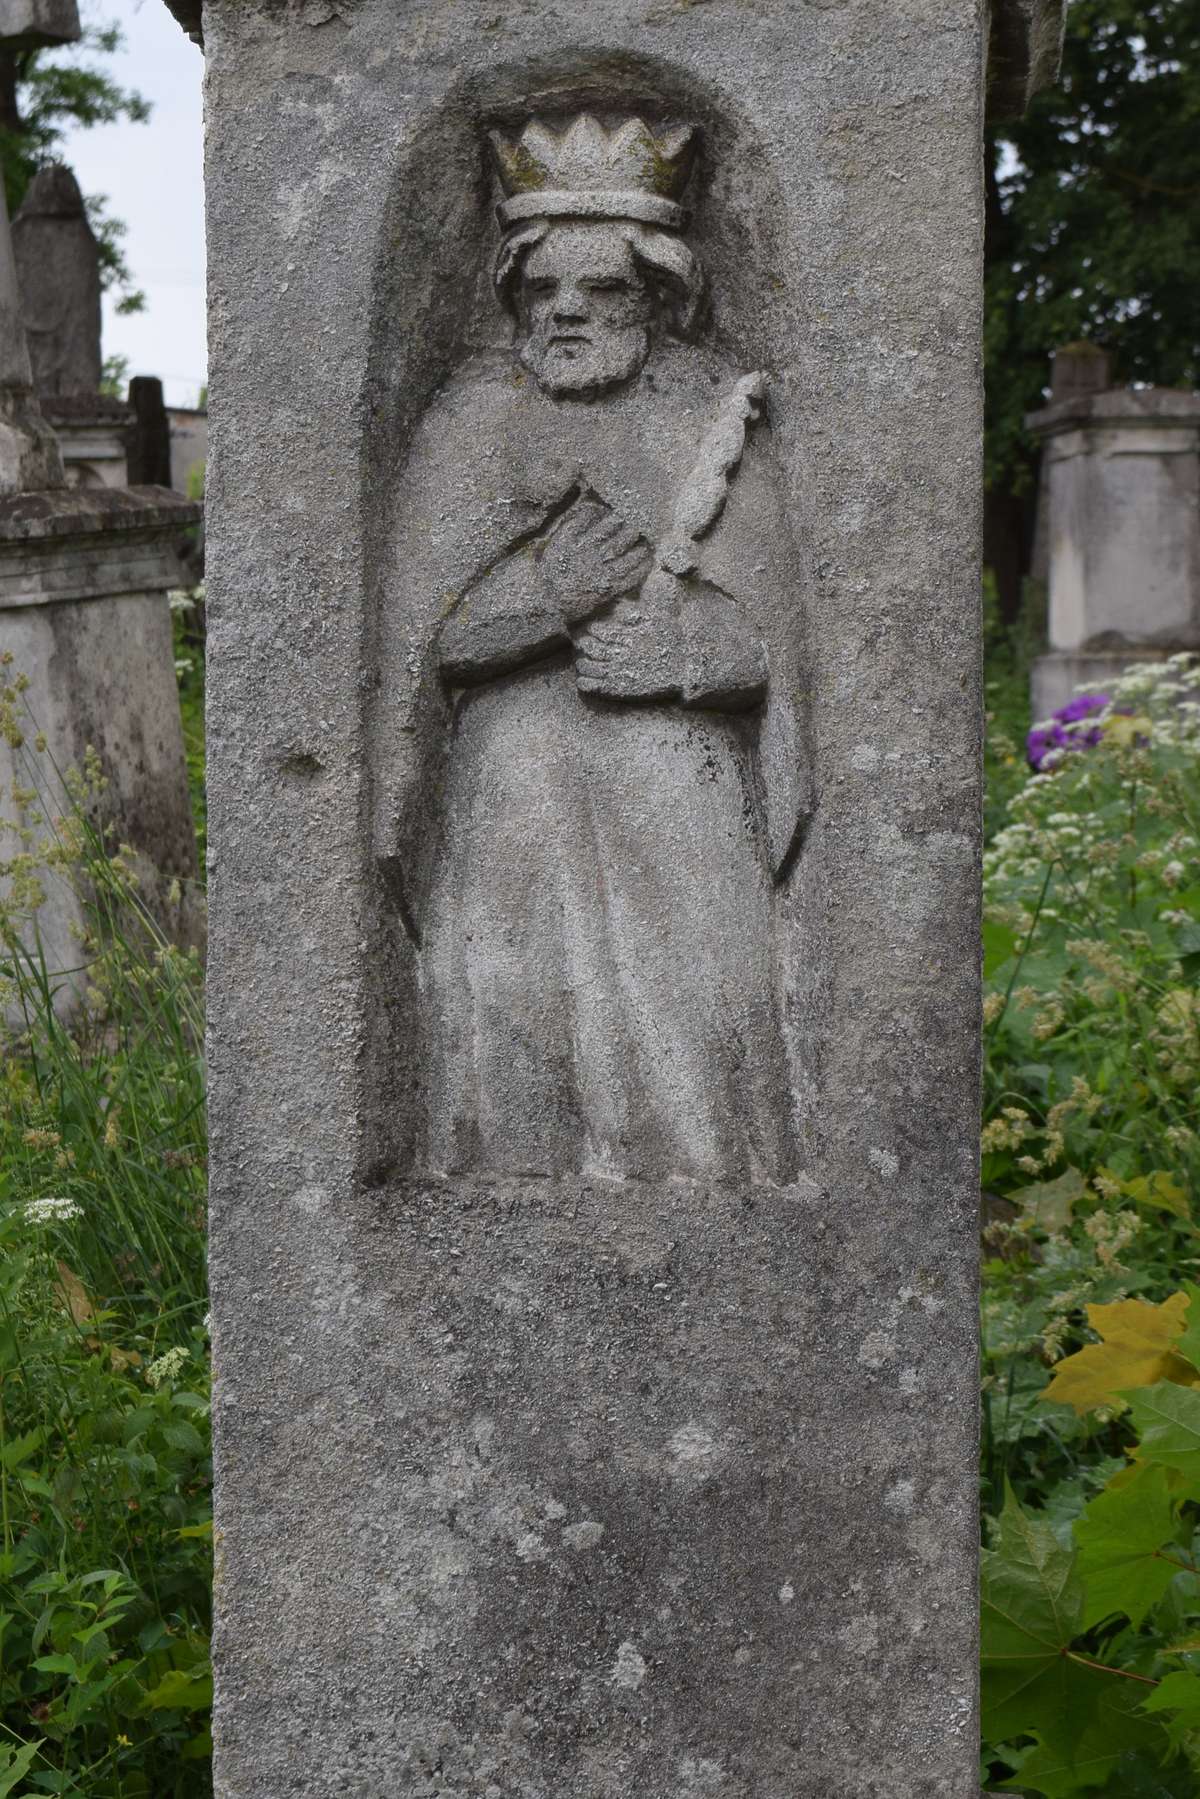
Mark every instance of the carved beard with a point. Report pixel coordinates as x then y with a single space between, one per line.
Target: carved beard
609 356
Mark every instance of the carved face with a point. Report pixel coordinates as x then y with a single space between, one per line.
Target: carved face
586 310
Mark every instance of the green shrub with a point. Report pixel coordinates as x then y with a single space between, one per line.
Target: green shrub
1091 1157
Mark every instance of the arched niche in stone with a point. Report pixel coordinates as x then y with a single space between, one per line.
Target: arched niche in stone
579 865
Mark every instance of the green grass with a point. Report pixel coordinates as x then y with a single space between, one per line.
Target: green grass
105 1520
189 668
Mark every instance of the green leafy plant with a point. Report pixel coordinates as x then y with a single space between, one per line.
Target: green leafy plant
105 1520
1091 1623
1091 1318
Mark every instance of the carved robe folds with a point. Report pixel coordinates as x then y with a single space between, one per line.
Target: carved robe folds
589 878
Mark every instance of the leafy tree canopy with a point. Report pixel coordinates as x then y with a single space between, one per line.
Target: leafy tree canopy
42 94
1094 216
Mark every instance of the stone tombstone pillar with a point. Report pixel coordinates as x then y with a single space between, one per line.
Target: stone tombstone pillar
58 271
148 439
58 268
84 619
594 633
1120 518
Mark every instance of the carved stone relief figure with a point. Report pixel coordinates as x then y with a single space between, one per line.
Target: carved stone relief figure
591 773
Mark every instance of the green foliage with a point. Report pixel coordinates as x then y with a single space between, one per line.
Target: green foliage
1094 216
42 94
1009 651
1092 911
114 377
1091 1314
187 606
1081 1617
105 1521
1120 1536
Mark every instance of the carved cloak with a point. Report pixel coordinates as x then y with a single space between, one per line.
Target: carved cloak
588 881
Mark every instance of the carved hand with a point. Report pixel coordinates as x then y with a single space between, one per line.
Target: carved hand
634 654
592 559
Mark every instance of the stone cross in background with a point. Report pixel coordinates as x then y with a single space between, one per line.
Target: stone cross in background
84 575
594 979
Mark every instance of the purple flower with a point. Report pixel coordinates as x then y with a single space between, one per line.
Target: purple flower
1082 706
1058 735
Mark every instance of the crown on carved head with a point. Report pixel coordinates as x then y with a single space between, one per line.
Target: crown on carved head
588 172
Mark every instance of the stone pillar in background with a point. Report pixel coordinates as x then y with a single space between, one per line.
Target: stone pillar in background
148 440
29 453
84 575
58 270
84 616
1119 506
594 750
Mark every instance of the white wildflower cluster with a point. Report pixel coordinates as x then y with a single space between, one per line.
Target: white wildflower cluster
166 1366
53 1209
1022 849
1153 706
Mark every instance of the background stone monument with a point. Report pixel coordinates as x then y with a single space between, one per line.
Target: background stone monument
58 272
84 577
594 595
1119 516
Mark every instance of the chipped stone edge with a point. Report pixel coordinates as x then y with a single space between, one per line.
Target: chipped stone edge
189 14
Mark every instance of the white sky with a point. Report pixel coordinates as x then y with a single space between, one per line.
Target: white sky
153 177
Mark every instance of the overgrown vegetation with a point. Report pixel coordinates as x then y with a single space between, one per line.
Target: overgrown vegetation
187 607
1091 1321
105 1521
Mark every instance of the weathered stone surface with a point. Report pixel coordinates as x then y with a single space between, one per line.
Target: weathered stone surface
148 440
58 273
72 544
91 430
29 455
38 24
83 612
1024 52
548 1481
1120 489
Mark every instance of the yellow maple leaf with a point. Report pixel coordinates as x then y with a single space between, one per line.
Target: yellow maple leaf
1124 731
1137 1351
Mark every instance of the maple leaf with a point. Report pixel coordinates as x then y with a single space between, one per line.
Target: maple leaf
1083 1714
1167 1419
1116 1727
1032 1609
1188 1345
1137 1351
1159 1192
1179 1694
1050 1203
1119 1537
